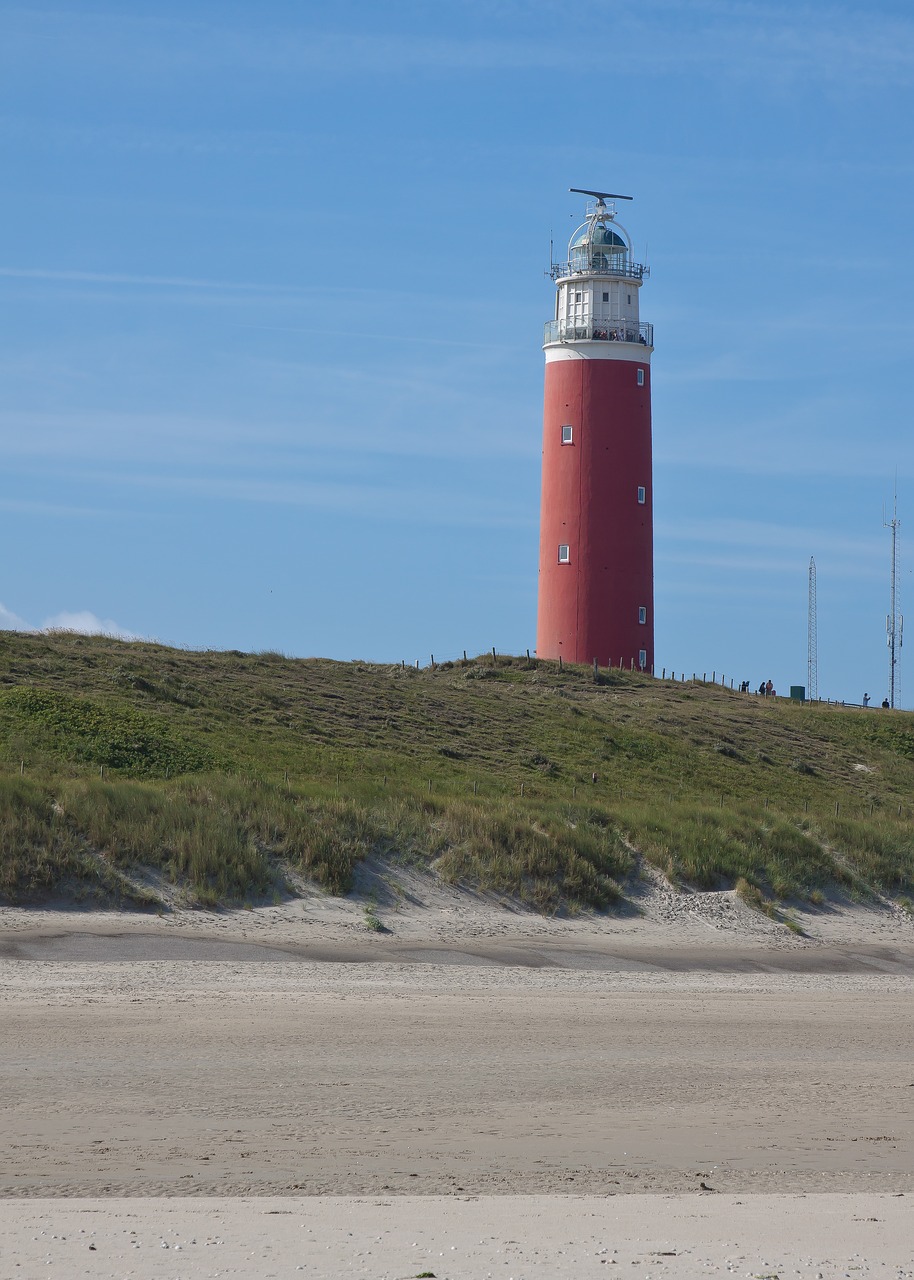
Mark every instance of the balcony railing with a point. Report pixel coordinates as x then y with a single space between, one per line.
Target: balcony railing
598 331
599 264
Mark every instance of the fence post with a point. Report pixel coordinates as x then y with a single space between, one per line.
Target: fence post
522 789
432 656
837 807
596 671
494 658
475 788
560 662
574 793
464 655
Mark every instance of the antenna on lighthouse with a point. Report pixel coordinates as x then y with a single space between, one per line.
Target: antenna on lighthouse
812 641
599 195
894 622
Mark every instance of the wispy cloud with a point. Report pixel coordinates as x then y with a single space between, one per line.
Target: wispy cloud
87 623
112 277
844 44
82 620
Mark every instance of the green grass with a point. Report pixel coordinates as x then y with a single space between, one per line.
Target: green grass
228 774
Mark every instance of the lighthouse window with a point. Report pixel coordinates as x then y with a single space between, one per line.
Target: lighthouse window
564 553
642 658
642 615
606 297
629 299
577 297
640 377
567 435
642 495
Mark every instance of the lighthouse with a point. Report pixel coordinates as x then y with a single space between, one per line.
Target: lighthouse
596 569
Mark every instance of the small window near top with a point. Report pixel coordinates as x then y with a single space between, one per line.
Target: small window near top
640 377
642 658
577 297
642 494
564 553
629 299
606 297
642 614
567 435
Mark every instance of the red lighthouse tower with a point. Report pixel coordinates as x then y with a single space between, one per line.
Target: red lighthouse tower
596 574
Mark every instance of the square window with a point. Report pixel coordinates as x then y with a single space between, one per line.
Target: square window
642 493
564 553
642 615
606 297
640 377
567 435
642 658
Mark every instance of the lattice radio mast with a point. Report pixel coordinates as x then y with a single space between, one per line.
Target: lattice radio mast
812 647
894 622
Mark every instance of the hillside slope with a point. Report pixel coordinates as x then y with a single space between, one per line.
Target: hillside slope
128 766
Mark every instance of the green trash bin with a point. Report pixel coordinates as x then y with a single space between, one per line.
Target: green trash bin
798 692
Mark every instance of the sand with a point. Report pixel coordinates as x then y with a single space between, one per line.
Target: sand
474 1077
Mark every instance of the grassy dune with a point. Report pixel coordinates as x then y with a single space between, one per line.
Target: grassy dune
124 766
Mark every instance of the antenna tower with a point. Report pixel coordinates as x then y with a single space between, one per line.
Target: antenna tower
894 622
812 648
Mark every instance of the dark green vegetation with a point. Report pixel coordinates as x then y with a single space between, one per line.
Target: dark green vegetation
126 766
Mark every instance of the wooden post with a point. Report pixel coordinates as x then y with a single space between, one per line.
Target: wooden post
494 658
429 786
837 807
522 788
21 767
464 655
596 671
574 793
285 775
704 677
806 806
560 662
528 655
766 802
475 788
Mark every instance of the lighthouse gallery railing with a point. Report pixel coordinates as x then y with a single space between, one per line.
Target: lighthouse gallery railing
598 331
599 264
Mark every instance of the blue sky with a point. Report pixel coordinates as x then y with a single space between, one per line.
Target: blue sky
273 292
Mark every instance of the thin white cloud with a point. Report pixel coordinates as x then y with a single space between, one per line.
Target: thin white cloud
846 45
10 621
86 623
82 621
113 277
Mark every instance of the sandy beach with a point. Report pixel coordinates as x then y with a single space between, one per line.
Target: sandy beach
472 1076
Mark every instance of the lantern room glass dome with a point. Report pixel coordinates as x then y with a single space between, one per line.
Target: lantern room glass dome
597 247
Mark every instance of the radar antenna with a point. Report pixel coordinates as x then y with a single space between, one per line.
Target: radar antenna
599 195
